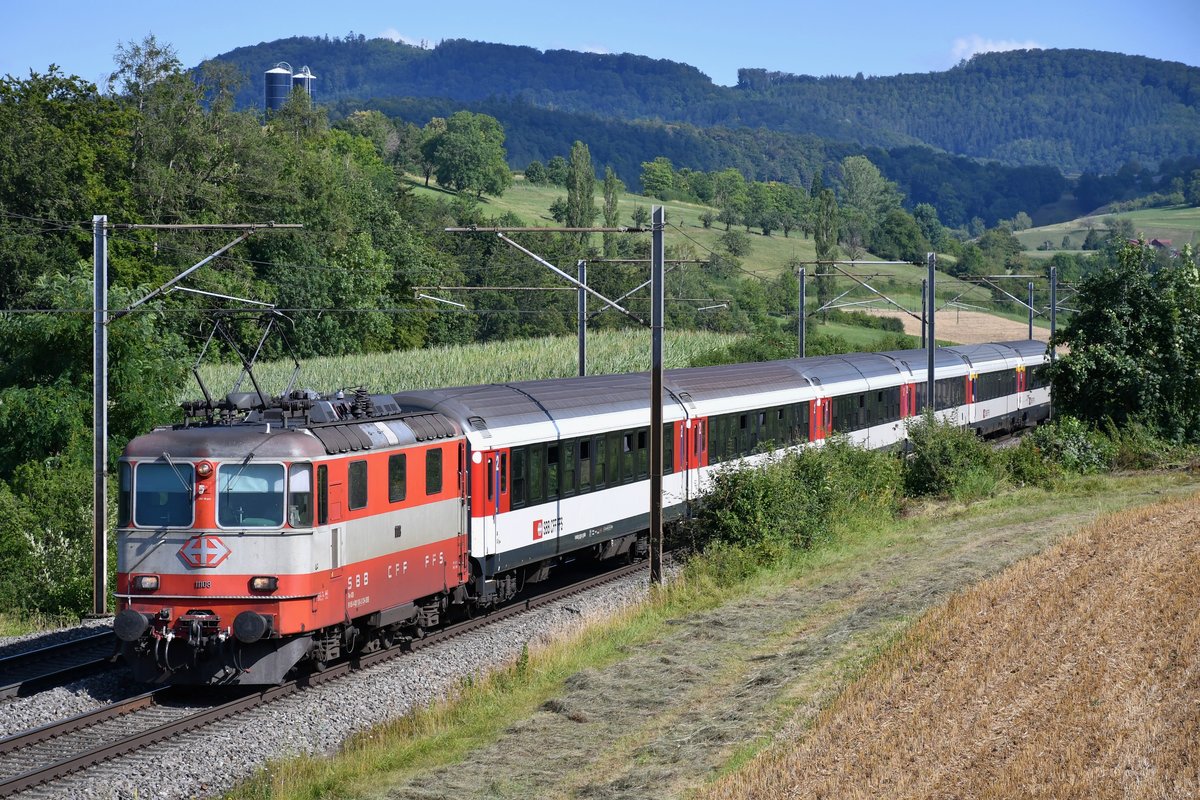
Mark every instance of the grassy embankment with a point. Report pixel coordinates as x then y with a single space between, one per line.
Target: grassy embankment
707 674
1179 224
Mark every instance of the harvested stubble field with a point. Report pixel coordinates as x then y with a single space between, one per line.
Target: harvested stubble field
968 327
1001 694
1073 674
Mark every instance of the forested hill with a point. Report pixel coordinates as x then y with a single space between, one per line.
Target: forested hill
1077 110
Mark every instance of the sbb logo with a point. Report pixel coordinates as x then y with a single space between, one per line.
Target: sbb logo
203 552
546 527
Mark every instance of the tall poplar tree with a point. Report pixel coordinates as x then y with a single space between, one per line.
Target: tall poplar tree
581 189
612 196
825 235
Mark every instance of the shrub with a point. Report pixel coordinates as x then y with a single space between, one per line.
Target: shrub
948 461
1136 447
1028 465
1074 446
790 501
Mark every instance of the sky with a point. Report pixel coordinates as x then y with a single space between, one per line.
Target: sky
830 38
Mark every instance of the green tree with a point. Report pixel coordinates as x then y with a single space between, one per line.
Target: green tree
729 196
557 171
1191 189
64 155
431 140
581 189
825 228
535 173
900 238
931 227
1094 239
866 199
760 208
825 236
640 216
1134 346
736 243
471 156
612 197
790 206
658 178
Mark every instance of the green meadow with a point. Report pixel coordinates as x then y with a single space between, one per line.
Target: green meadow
1179 224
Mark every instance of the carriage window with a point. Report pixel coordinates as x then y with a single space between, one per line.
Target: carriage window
585 465
627 457
433 471
250 496
643 455
503 473
551 471
358 485
537 473
568 468
518 477
613 454
598 458
124 496
163 495
300 495
397 477
668 448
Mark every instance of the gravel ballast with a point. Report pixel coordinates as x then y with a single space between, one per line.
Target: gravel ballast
212 759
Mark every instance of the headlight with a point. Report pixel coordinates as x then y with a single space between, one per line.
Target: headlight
203 469
145 583
264 583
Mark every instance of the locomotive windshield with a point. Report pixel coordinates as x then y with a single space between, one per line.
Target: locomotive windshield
163 496
250 496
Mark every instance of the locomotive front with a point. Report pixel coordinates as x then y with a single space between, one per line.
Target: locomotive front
218 561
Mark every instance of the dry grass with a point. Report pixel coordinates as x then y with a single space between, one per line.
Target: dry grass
968 327
1072 674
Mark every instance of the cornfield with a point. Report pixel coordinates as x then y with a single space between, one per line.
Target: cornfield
609 352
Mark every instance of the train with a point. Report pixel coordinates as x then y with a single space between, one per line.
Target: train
264 536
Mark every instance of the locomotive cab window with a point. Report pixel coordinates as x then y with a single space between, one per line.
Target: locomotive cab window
300 495
397 477
250 496
433 471
358 485
125 493
322 494
163 495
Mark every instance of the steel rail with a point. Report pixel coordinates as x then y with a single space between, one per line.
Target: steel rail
161 732
31 671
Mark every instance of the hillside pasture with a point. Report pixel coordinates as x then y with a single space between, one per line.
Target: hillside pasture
769 255
1178 223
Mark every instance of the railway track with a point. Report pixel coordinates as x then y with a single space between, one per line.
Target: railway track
34 670
38 757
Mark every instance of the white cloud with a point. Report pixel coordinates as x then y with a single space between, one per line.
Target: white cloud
397 36
599 50
967 46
